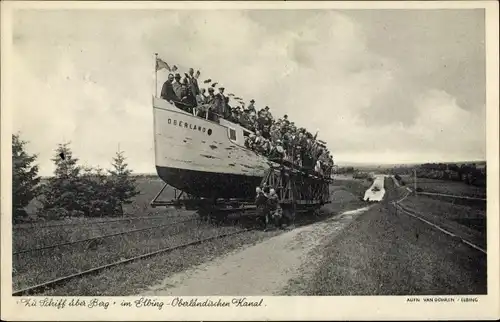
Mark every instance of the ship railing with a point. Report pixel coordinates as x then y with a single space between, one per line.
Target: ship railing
186 107
295 168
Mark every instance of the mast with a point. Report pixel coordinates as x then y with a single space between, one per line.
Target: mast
156 75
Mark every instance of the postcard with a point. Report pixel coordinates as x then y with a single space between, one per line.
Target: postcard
249 160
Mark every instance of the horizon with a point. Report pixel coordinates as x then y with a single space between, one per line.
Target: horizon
351 164
392 100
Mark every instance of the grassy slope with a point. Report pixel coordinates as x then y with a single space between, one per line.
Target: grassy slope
389 253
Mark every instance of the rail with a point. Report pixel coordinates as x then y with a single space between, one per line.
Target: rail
51 284
36 226
450 196
194 109
415 215
101 237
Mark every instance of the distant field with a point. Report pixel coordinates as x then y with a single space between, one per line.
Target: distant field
446 187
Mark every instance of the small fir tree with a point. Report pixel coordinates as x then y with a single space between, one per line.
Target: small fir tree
123 185
95 190
25 177
63 192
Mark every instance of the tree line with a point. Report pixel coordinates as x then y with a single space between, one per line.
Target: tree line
469 173
73 190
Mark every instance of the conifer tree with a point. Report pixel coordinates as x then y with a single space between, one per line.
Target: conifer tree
63 192
123 184
25 177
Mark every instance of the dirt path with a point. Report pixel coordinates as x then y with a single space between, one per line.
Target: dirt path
262 269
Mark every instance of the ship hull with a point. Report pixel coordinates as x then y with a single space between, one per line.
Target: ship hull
210 184
204 158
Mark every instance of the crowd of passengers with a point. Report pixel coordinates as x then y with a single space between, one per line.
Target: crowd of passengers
276 139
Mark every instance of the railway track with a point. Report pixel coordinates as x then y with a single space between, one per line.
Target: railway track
53 283
102 237
398 206
92 223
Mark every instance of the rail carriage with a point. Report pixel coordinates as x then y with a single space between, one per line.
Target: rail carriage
211 170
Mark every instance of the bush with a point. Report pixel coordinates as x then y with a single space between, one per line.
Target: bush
25 179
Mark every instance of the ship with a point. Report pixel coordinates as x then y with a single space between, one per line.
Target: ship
204 158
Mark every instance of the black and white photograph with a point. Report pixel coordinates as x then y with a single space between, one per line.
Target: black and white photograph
199 156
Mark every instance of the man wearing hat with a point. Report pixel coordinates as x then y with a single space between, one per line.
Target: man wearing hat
268 118
234 116
167 91
245 119
193 82
201 98
208 104
222 100
177 86
237 111
189 96
251 106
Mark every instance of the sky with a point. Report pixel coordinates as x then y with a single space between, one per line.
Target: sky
380 86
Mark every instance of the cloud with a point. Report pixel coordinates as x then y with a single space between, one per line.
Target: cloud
87 76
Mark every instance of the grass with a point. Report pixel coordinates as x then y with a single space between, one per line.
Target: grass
466 221
379 254
446 187
134 278
35 237
38 267
464 217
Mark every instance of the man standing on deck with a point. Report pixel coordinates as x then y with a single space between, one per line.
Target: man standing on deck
251 106
222 101
193 82
167 90
245 119
212 104
186 90
178 88
202 98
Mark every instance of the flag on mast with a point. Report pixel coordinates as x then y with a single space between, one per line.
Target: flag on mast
160 64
